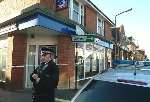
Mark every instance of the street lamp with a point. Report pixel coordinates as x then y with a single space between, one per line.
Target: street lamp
120 14
116 32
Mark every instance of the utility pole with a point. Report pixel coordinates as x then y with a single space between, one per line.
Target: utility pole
116 33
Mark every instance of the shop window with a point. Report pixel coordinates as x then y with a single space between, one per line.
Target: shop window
108 58
102 58
80 70
90 60
3 56
80 60
88 65
95 62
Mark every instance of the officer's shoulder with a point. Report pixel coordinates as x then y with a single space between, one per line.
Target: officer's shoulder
52 63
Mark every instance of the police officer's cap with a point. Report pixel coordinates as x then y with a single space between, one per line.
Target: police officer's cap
47 50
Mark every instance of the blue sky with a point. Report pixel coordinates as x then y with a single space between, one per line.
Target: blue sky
136 22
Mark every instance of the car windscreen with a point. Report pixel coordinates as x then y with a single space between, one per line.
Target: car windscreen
103 91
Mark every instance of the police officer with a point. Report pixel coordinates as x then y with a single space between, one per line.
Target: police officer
45 77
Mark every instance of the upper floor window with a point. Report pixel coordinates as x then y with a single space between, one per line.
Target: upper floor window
82 14
77 12
100 26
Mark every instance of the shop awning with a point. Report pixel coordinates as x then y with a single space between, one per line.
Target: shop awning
37 19
43 21
103 43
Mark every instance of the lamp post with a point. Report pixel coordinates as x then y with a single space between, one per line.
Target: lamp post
116 37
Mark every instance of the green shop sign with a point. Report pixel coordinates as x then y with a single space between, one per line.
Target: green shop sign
83 38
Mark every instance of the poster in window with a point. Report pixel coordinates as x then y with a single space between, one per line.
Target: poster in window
61 4
87 65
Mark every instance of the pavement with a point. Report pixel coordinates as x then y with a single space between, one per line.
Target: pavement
62 95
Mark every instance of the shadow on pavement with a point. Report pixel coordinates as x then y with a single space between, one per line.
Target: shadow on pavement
65 94
62 95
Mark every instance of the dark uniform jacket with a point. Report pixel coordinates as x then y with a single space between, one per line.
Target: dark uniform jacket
49 76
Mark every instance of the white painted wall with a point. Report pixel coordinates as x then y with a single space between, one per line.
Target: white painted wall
42 40
3 42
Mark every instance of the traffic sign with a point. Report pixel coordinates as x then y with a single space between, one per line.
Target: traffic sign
83 38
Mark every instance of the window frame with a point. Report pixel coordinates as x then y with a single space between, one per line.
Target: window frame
3 61
80 12
100 26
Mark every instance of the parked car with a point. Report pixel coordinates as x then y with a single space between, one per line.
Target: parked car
116 85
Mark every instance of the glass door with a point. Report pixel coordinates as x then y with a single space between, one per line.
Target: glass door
31 64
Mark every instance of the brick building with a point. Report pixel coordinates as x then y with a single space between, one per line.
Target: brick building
28 25
140 55
122 41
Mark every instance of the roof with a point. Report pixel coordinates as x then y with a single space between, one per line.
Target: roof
126 73
101 12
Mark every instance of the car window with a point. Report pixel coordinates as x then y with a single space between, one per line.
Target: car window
103 91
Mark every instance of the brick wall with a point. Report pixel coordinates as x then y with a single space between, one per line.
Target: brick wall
108 32
64 12
18 59
48 3
11 8
66 55
91 19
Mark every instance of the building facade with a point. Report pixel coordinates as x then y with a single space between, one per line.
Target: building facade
77 30
140 55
